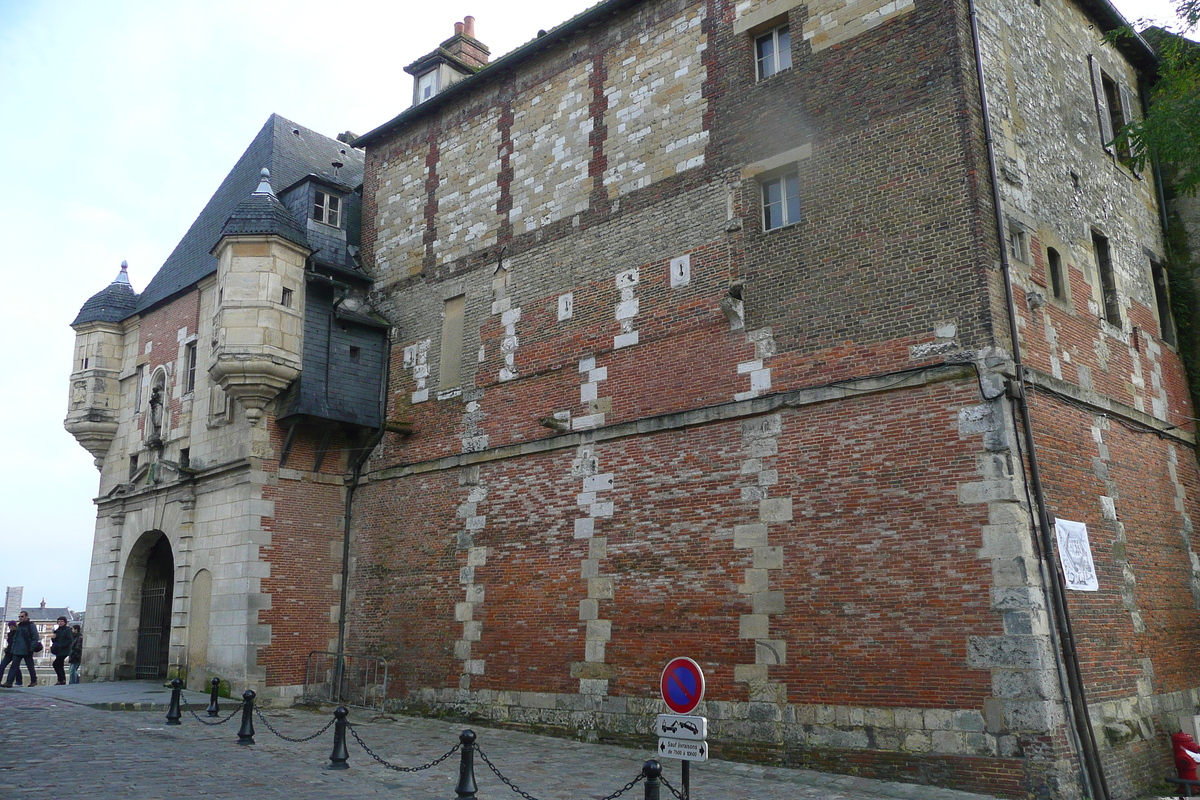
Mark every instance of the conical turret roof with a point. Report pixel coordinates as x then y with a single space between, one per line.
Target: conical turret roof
262 214
112 304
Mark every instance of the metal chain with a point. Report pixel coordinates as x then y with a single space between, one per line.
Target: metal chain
392 766
671 788
199 718
640 777
263 719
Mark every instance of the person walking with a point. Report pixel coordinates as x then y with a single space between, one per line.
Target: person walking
76 652
24 644
60 648
8 637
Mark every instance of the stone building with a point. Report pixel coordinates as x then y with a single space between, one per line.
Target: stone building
788 336
224 406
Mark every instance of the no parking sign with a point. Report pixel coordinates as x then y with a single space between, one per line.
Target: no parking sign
682 685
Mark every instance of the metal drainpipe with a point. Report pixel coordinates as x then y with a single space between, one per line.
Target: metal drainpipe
355 477
1069 672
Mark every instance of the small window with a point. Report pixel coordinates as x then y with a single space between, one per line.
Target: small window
773 52
189 384
1162 299
781 202
1108 281
185 457
133 465
355 354
138 377
1054 274
1018 242
286 299
426 86
326 208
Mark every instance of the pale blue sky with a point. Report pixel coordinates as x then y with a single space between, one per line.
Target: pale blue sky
118 120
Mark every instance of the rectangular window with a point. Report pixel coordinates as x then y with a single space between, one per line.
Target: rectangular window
137 389
1114 109
773 52
133 465
1054 274
326 208
1162 298
1108 281
452 342
286 298
1018 242
189 383
185 457
781 202
426 86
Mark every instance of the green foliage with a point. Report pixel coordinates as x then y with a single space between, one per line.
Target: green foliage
1170 131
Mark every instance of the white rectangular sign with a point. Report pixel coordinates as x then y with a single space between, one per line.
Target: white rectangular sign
677 726
1075 556
683 750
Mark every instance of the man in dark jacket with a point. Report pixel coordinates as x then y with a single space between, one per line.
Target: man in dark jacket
60 648
22 650
8 637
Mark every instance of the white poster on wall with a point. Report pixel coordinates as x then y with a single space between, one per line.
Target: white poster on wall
1075 555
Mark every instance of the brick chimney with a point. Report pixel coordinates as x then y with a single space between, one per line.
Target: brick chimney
465 47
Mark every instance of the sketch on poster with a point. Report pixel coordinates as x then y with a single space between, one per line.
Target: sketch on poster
1075 555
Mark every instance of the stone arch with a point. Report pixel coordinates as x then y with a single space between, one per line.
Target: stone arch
198 630
147 590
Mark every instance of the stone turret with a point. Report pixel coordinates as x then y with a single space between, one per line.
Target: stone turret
95 395
259 324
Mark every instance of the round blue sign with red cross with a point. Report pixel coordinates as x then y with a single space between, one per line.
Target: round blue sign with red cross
682 685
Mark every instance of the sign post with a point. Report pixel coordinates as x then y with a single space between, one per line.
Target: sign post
680 735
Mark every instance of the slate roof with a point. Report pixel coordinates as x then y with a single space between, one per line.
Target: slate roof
290 152
112 304
39 614
261 213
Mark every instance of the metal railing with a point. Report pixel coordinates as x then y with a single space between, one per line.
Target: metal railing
345 679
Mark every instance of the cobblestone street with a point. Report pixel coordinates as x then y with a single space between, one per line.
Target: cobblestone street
61 746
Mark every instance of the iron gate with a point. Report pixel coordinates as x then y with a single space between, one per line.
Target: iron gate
151 632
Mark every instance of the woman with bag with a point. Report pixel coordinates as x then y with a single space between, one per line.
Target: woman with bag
24 644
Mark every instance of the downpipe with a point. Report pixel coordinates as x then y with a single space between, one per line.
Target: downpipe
1062 634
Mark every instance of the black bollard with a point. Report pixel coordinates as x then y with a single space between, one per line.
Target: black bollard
652 769
214 710
173 713
246 733
340 755
466 768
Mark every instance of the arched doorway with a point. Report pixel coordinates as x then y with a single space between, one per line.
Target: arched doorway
154 617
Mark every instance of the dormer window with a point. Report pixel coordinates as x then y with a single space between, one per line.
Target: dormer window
427 86
327 208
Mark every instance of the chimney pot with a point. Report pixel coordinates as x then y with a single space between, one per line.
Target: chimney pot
469 26
458 29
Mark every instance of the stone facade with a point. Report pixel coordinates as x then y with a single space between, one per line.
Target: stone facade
793 453
221 494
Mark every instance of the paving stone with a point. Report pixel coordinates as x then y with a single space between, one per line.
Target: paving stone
55 739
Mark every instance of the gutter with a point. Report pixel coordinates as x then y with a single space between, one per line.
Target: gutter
1061 632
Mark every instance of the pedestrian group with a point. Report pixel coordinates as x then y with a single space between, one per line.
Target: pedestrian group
22 642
